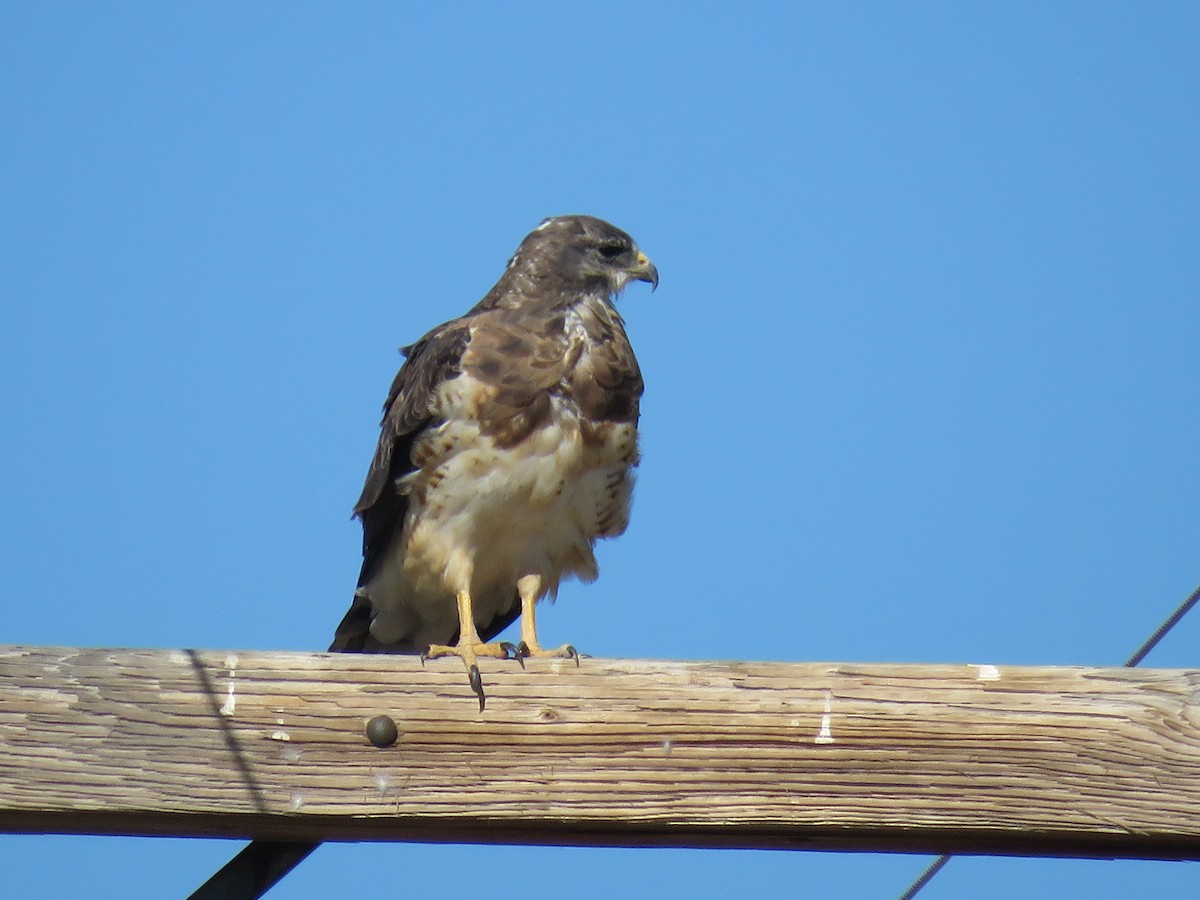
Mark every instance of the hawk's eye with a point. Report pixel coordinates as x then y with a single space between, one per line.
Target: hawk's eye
612 249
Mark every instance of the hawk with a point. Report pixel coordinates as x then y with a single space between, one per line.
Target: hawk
507 449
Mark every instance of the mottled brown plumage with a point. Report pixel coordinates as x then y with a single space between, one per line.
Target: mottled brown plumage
506 449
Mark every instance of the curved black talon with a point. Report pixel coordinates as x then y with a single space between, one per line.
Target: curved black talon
476 681
424 656
522 652
572 653
513 652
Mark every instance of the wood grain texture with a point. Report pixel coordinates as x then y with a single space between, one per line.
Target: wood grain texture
961 758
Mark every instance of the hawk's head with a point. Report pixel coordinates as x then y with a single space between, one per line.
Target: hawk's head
586 253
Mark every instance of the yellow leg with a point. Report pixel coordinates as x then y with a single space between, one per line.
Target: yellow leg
530 588
469 647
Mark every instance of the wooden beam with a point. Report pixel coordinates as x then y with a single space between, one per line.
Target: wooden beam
845 756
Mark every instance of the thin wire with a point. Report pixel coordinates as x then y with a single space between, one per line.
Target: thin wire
1138 655
1171 622
934 868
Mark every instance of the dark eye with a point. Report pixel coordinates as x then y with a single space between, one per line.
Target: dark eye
612 249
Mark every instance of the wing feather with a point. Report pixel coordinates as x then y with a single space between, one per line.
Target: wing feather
429 362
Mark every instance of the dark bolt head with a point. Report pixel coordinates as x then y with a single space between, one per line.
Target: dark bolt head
382 731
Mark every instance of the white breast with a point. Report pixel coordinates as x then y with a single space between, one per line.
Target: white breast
480 517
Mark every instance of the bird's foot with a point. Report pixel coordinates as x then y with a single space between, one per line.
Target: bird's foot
524 651
469 653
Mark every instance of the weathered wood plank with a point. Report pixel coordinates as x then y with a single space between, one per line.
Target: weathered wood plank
1056 761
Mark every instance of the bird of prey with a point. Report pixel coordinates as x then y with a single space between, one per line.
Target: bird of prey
506 451
507 448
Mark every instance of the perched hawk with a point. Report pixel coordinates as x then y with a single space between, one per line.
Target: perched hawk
507 449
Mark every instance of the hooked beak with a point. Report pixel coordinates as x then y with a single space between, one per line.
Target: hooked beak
644 270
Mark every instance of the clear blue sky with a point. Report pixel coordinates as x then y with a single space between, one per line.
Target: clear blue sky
923 371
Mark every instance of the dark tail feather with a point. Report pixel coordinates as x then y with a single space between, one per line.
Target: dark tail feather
353 634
